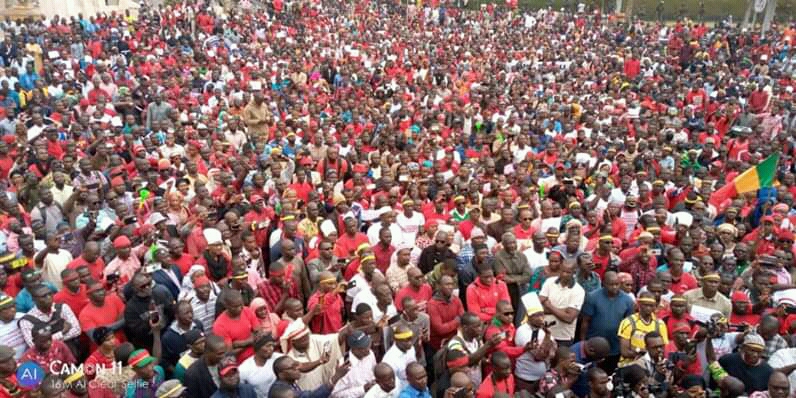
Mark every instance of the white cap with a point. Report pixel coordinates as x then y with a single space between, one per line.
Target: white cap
212 236
155 218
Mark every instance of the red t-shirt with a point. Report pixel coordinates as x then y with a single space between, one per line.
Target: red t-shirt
92 316
421 296
95 268
684 284
75 301
237 329
347 245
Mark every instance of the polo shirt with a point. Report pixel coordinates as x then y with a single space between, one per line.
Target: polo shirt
719 302
562 297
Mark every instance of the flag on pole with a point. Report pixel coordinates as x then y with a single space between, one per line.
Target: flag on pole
754 178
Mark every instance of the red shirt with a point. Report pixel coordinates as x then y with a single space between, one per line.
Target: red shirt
330 320
347 245
489 387
97 360
383 257
421 296
75 301
685 283
184 263
237 329
95 268
111 311
482 299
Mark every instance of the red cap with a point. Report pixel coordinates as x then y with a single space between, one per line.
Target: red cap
767 218
255 198
84 102
306 161
739 295
121 242
681 327
117 181
360 168
138 148
201 280
164 164
786 235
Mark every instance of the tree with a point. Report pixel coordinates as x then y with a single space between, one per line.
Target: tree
770 12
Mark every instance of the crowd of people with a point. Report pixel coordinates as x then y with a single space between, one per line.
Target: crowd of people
376 199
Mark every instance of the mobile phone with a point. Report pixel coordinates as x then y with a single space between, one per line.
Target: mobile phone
154 316
327 347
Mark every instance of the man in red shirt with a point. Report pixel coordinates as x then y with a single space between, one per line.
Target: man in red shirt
681 281
417 288
758 100
500 380
90 258
383 250
73 294
102 310
237 325
444 310
349 242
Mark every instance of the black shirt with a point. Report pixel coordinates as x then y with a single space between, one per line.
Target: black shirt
755 378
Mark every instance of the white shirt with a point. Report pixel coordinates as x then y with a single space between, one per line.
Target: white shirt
562 297
536 260
361 372
396 232
410 225
377 392
11 336
398 360
52 266
261 377
527 368
365 296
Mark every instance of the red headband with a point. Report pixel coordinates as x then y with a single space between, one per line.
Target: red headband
458 362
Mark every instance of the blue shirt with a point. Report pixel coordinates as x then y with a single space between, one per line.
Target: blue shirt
581 386
25 300
606 314
411 392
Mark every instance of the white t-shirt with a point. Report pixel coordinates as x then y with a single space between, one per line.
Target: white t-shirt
410 225
52 266
536 260
562 297
261 377
527 368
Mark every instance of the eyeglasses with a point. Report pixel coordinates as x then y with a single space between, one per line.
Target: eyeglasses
442 241
508 313
527 219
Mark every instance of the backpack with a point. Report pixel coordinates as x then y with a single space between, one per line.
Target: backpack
440 357
56 322
633 326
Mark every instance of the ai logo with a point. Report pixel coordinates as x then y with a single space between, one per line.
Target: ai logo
30 374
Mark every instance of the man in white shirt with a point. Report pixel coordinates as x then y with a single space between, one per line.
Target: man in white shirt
562 299
360 376
537 253
532 364
53 260
10 333
386 383
401 353
258 369
410 221
380 293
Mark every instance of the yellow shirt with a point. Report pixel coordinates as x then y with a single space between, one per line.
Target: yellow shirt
636 335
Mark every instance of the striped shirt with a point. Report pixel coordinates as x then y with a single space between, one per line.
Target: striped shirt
11 335
204 312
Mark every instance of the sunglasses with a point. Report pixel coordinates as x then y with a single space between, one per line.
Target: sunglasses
508 313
